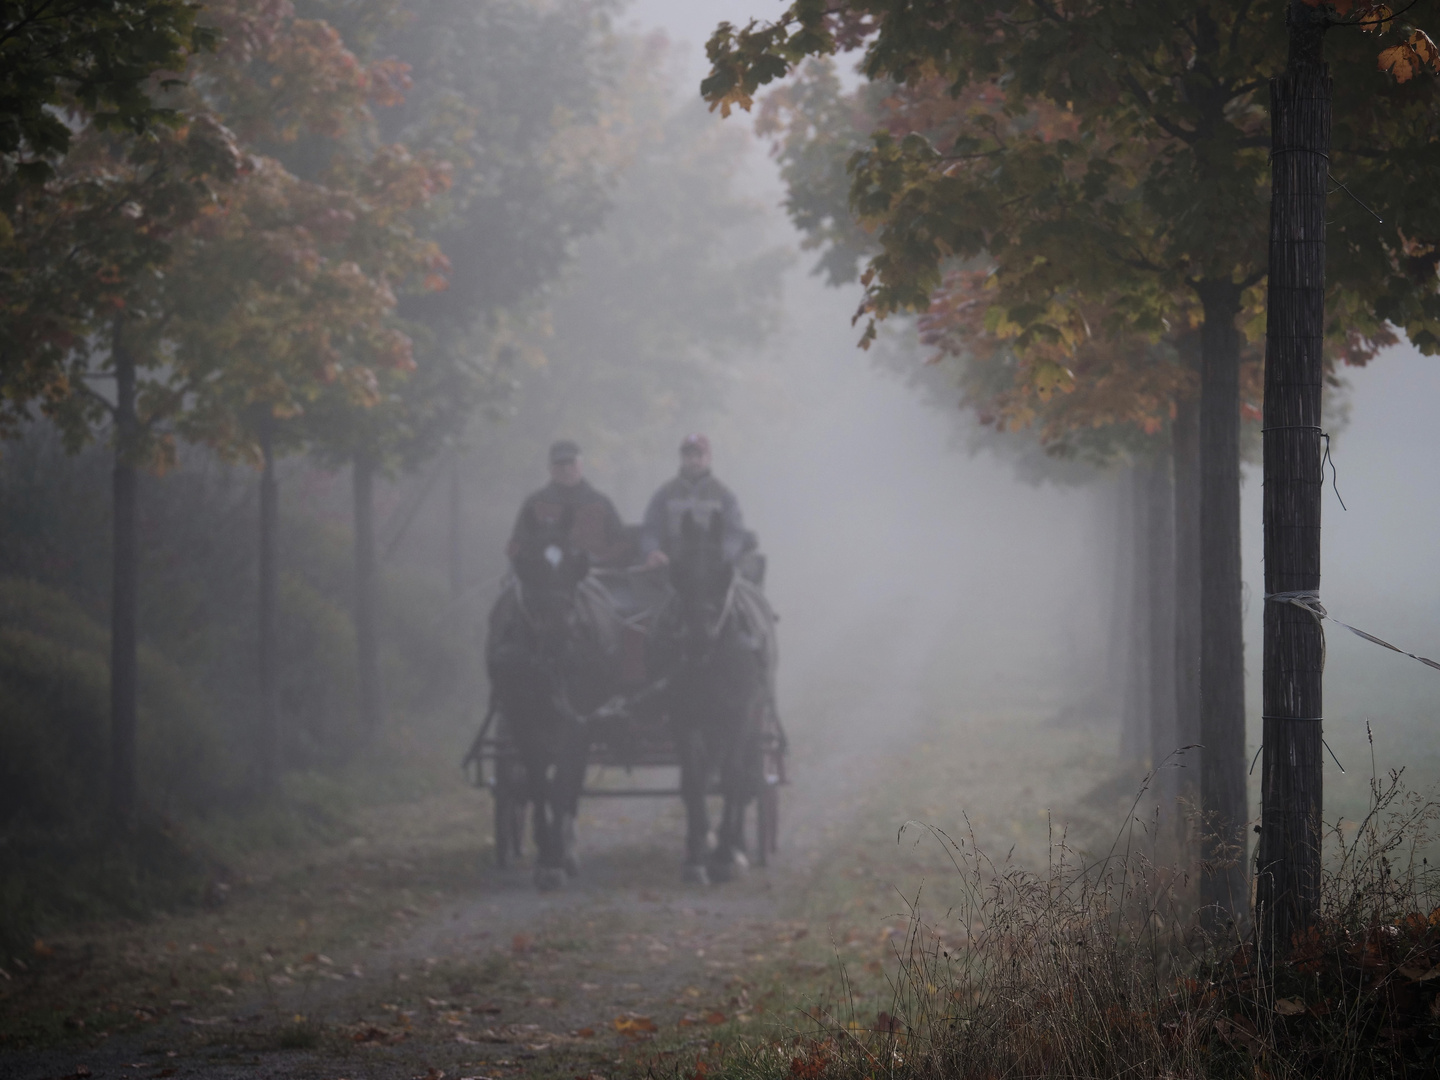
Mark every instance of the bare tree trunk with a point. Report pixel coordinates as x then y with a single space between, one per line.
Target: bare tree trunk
1223 892
455 531
1122 586
268 754
1185 435
1160 537
1135 724
1288 881
124 631
366 595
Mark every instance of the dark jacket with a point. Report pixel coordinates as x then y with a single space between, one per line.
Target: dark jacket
596 529
702 496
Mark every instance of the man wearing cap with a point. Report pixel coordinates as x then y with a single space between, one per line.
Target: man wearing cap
596 528
695 489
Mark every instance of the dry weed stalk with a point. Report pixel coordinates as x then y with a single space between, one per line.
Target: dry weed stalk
1097 968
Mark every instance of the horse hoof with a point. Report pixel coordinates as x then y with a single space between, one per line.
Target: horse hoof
569 860
549 878
696 874
729 867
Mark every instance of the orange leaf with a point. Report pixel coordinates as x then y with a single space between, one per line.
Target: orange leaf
634 1025
1400 61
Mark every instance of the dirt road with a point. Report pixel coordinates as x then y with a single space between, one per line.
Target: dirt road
402 953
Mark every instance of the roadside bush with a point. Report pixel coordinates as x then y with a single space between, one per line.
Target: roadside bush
54 695
1097 969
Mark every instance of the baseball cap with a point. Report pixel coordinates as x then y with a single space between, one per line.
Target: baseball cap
695 442
563 450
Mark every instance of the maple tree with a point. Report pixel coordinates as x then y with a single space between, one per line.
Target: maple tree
92 57
221 291
519 101
1093 155
60 60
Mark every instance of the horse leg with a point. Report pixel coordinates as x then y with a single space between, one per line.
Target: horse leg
569 781
548 874
728 859
693 775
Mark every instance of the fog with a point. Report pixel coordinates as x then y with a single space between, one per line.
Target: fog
261 741
937 583
896 540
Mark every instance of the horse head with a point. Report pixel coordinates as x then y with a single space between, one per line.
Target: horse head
701 576
550 568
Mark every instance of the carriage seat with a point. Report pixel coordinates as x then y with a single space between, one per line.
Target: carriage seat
624 604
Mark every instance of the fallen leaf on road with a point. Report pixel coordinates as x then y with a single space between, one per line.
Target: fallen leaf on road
378 1036
631 1024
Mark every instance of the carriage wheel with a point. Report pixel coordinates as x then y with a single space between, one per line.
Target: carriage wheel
767 822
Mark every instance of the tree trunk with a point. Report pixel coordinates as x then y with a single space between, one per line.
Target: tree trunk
1135 720
366 594
268 752
1185 435
1223 893
455 532
1122 585
1160 564
124 663
1288 872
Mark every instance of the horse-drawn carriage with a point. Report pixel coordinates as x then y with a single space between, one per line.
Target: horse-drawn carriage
600 674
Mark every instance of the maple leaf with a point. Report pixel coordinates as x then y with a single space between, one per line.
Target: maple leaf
1410 57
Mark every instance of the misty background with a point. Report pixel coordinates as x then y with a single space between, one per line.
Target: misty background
899 534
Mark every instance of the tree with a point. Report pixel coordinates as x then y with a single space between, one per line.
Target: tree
95 58
1150 204
1288 862
228 289
1117 399
518 100
61 60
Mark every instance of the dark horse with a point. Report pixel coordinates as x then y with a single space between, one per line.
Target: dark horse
716 642
545 672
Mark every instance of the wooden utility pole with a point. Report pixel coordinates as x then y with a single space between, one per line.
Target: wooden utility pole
1288 868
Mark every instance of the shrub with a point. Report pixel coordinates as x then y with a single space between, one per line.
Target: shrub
1097 969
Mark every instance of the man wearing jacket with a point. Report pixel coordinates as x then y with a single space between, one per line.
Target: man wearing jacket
596 528
696 490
